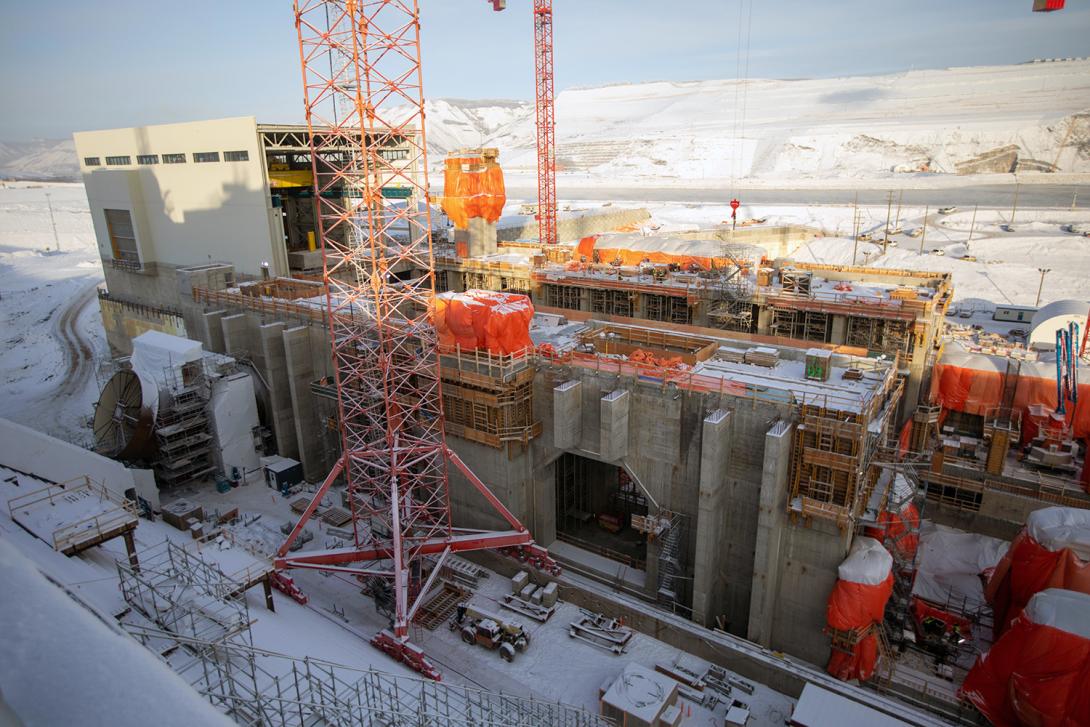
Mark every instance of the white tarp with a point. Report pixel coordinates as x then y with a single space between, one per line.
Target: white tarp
868 562
233 409
1058 528
1064 610
950 563
160 357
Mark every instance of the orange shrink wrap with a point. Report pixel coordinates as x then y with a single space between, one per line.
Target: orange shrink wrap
1038 672
1052 551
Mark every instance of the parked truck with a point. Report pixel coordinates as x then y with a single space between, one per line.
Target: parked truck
490 630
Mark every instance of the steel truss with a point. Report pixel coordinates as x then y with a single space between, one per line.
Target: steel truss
363 93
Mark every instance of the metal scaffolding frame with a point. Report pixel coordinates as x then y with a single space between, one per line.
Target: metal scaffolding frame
190 614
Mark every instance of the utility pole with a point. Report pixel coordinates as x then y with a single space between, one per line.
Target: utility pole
1014 207
897 218
926 209
1043 272
972 227
855 227
1074 196
889 208
53 222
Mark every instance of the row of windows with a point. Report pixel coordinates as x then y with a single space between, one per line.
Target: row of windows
199 157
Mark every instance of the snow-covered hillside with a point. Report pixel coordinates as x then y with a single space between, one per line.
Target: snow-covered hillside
861 127
709 132
44 159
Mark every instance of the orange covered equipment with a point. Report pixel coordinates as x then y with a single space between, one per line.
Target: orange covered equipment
473 187
857 604
898 526
1052 551
484 319
1038 672
610 248
975 391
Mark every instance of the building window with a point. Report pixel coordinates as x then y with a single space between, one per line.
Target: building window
205 156
92 161
394 155
174 159
122 235
236 156
118 161
147 158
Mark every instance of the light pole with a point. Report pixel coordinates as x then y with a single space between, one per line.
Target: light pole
1043 272
53 222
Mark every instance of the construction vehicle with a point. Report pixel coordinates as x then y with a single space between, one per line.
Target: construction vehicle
490 630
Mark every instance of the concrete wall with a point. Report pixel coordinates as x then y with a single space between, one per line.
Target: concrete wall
33 452
185 214
576 225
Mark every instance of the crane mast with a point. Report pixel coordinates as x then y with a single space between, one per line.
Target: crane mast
363 94
546 121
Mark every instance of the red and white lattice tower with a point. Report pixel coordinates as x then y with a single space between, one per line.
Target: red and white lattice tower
363 95
546 121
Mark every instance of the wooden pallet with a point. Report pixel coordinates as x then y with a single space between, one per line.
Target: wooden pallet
440 607
336 516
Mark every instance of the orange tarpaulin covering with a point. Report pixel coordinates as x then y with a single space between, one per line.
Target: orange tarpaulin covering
1038 672
1051 552
899 530
974 391
858 601
472 187
483 319
589 245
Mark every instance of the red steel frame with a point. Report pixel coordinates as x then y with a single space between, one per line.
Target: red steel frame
361 71
546 122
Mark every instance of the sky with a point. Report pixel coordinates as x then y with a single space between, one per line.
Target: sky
74 65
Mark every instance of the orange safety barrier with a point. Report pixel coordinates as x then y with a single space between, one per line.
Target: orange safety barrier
483 319
974 391
1037 672
472 187
1044 555
588 246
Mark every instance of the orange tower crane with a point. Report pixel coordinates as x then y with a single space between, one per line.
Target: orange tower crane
363 94
545 106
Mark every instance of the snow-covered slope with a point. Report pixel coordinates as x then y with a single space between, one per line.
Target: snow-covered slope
46 159
840 127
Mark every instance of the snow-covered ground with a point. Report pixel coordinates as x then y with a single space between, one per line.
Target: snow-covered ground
52 325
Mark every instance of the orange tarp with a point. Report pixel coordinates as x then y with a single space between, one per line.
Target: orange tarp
974 392
1037 672
483 319
472 188
858 601
1030 566
588 246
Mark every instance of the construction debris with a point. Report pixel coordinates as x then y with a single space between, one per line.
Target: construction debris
598 630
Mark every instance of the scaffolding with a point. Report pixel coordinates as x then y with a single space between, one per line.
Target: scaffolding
190 614
182 429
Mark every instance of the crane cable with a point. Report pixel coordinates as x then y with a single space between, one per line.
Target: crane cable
741 87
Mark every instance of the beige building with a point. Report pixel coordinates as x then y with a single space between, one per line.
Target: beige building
192 196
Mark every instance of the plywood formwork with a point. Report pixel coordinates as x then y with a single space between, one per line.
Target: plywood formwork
832 475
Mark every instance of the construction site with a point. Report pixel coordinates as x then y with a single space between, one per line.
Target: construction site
367 453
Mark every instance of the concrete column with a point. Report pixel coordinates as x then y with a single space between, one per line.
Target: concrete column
771 521
212 331
709 580
276 376
300 373
839 333
613 426
568 415
236 335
